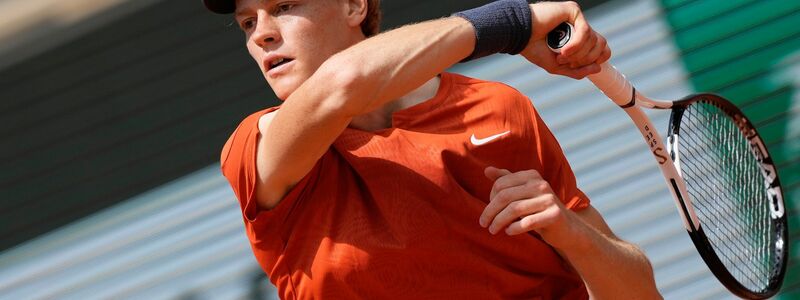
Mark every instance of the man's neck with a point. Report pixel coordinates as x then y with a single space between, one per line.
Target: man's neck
381 118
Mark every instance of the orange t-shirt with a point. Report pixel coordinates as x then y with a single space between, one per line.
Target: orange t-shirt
394 213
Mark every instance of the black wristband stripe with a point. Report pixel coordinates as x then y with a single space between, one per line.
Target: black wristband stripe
502 26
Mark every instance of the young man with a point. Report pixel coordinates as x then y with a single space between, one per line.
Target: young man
380 176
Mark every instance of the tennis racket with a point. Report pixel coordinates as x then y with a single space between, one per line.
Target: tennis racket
721 176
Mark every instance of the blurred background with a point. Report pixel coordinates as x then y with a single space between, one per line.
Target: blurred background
113 114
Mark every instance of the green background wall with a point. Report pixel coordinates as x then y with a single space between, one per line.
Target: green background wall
749 52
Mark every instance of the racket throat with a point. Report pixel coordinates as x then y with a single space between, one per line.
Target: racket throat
667 165
687 211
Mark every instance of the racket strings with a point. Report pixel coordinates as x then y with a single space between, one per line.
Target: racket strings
728 192
726 234
730 148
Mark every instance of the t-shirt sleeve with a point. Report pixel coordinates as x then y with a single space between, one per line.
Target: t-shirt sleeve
238 164
555 167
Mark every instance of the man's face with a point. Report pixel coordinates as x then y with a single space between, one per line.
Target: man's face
290 39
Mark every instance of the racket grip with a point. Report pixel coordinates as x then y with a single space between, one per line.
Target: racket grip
614 85
608 80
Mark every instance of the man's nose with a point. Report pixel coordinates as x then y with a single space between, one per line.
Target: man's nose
266 32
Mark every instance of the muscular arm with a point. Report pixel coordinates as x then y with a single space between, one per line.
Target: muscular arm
611 268
377 70
354 81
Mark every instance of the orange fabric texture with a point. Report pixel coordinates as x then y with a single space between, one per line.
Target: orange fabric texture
394 213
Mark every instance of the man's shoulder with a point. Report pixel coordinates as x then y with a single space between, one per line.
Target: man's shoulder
477 85
494 91
246 127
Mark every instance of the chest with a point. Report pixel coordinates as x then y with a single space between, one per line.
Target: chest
452 161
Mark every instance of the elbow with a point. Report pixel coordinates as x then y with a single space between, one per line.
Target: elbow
268 196
348 87
648 277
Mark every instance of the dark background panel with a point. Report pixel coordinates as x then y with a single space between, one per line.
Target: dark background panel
143 100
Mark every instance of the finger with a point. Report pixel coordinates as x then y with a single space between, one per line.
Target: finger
579 37
533 222
518 209
512 179
594 54
502 200
501 196
493 173
562 59
605 56
602 47
583 51
578 73
541 55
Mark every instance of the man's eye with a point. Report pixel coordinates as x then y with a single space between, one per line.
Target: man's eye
247 24
284 7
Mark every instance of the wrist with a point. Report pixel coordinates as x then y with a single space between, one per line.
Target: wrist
502 26
574 236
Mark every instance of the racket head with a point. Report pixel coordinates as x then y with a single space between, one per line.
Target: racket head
735 191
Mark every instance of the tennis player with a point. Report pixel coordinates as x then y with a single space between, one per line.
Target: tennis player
382 176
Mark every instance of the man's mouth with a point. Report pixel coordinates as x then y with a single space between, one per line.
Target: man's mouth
278 62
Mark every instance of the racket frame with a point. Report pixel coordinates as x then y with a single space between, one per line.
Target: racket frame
614 85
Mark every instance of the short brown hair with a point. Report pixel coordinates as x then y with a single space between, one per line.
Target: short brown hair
372 21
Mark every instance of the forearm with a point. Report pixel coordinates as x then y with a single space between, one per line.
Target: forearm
611 268
390 65
356 80
375 71
523 201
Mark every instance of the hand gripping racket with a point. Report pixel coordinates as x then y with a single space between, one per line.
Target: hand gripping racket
721 176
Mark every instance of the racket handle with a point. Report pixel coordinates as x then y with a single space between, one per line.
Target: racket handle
614 85
610 81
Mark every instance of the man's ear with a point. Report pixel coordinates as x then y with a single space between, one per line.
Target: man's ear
356 12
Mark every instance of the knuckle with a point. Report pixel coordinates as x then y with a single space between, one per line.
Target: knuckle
517 208
607 54
552 200
526 224
586 31
530 185
503 197
542 186
531 173
490 210
592 36
573 4
497 187
533 222
601 41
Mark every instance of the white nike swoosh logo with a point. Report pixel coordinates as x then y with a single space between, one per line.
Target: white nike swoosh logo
477 142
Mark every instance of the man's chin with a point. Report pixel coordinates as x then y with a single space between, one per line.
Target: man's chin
285 85
281 89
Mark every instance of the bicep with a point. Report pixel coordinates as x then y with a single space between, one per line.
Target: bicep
268 193
288 147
